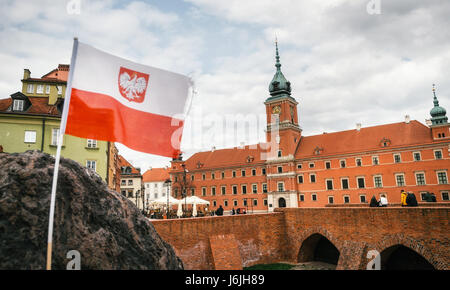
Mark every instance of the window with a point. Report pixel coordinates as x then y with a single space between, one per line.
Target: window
123 182
362 198
361 182
91 164
59 90
130 182
213 191
263 171
423 196
416 156
330 199
234 173
203 191
225 203
243 173
235 202
377 181
420 178
301 197
328 165
314 197
264 186
244 202
280 186
18 105
213 176
40 89
265 202
299 166
342 163
124 192
192 191
47 89
438 154
300 178
254 172
30 137
444 195
223 174
244 189
358 162
234 189
280 169
344 183
312 178
311 165
329 184
91 143
55 134
192 177
223 190
214 203
203 176
400 178
442 177
279 153
397 158
375 160
346 199
254 188
255 202
30 88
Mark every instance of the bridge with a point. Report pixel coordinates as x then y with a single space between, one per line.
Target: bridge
405 237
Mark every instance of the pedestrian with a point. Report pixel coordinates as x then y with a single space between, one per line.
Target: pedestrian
219 211
373 202
433 197
411 199
383 201
403 197
233 212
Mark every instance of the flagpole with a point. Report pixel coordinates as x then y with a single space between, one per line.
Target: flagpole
58 153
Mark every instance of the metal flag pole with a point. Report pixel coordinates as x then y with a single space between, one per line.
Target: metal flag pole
58 153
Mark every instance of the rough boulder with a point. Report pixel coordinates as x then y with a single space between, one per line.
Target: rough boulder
106 228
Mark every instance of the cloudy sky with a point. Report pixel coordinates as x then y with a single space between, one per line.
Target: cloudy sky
349 61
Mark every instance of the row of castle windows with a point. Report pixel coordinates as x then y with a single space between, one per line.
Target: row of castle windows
40 89
377 180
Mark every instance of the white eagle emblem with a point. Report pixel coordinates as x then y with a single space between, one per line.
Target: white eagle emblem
132 87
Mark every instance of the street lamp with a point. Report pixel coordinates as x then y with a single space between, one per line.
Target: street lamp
184 188
167 184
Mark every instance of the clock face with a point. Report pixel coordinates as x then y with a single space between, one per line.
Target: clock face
276 110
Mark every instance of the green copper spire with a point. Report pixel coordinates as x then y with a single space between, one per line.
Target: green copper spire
438 114
279 86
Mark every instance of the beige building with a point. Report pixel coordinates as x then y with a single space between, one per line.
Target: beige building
131 184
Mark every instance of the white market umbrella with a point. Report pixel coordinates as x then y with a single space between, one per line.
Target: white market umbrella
195 200
163 200
180 209
194 210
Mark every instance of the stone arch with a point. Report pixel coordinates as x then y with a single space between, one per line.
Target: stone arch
391 241
320 239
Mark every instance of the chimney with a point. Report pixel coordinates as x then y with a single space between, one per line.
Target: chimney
213 148
428 122
358 126
407 119
26 74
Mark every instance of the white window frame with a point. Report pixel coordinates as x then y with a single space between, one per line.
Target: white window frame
39 89
340 163
343 198
60 89
399 156
30 88
424 178
91 143
437 176
223 190
312 195
213 191
375 183
55 134
377 160
18 105
30 136
414 156
303 179
396 180
434 153
203 191
311 163
348 183
92 164
365 198
356 162
315 179
253 188
264 188
300 196
282 186
326 184
242 189
47 89
327 162
332 198
357 182
442 195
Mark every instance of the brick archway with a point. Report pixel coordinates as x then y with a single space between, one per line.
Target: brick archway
399 239
305 235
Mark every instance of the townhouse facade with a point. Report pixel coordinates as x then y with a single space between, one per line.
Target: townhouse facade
346 167
153 180
131 185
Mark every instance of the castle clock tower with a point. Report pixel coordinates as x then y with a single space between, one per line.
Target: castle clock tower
283 131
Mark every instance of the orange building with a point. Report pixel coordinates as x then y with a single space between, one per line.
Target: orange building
347 167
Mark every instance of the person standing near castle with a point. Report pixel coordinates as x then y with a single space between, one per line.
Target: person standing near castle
403 197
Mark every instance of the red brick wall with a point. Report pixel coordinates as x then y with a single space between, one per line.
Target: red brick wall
276 237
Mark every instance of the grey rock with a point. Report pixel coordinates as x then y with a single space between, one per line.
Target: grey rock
102 225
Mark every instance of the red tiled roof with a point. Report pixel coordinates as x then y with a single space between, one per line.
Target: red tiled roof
225 158
124 163
5 103
367 139
39 106
156 174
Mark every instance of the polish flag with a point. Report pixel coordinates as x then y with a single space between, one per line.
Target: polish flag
113 99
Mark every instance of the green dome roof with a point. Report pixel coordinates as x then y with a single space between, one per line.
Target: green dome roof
438 111
438 114
279 84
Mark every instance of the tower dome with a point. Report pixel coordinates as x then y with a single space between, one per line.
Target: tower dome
279 85
438 113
